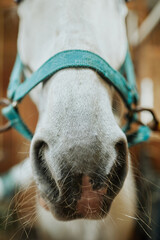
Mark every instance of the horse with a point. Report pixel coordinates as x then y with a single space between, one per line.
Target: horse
79 153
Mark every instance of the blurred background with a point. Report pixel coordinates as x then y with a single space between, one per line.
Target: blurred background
13 147
143 25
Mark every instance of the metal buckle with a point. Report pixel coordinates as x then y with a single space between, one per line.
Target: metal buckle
154 125
7 126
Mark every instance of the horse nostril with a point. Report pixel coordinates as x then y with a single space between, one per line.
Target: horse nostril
44 177
38 153
121 149
119 169
39 145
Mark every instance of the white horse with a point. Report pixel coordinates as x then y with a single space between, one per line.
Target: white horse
79 153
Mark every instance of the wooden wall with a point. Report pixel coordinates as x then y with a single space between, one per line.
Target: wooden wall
13 147
147 65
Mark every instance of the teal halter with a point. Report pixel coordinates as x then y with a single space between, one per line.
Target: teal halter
17 90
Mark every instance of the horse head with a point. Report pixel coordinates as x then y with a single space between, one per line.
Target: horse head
79 152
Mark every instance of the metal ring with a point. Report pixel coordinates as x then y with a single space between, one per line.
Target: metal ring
154 123
7 126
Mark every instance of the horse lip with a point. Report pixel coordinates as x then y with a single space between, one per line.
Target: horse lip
58 208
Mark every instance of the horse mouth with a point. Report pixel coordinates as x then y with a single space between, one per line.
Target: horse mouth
78 199
90 207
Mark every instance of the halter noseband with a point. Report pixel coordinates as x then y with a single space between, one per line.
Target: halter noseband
17 90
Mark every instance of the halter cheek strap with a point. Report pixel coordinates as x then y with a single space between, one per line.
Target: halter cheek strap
17 90
11 113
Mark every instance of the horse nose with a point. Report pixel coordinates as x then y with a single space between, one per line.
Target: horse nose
83 186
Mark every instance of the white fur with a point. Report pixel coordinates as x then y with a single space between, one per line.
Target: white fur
75 105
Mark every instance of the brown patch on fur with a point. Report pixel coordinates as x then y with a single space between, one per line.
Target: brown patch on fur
90 203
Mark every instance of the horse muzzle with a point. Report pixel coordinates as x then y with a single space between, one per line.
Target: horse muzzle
76 192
